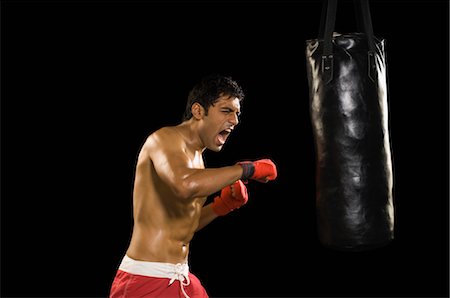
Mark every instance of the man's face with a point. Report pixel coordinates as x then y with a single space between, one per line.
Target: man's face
222 117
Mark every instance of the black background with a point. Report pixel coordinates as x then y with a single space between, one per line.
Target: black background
84 83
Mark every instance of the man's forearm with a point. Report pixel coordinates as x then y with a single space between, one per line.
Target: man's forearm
207 216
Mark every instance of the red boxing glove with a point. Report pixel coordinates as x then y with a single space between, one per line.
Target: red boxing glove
231 197
261 170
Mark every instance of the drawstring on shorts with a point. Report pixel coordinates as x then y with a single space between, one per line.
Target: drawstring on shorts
181 274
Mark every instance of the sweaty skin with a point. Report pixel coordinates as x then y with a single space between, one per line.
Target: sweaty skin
171 183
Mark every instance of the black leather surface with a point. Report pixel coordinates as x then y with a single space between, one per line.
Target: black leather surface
349 114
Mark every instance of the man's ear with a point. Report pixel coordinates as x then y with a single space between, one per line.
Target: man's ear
197 111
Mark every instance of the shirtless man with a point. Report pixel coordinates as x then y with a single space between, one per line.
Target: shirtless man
170 189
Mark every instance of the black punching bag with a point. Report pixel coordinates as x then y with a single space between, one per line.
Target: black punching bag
349 114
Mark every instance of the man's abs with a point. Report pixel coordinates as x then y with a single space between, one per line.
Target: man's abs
158 245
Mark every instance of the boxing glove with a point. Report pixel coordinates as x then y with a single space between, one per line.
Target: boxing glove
261 170
231 197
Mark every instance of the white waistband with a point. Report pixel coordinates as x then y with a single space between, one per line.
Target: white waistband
156 269
153 269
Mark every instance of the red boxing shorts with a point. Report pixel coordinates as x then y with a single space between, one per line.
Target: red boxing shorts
153 279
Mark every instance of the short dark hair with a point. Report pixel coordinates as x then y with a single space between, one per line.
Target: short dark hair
209 89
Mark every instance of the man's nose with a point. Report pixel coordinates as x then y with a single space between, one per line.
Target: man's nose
234 119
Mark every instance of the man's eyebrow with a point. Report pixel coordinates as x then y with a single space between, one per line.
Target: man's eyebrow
232 109
229 108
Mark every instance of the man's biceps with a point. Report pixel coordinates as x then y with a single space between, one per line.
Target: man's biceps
169 166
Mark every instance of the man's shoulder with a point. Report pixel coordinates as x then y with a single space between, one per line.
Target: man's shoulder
165 131
164 134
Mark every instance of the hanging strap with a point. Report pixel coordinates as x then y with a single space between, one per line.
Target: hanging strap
327 24
357 11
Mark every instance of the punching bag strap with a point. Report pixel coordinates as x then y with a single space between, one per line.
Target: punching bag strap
329 7
368 29
327 25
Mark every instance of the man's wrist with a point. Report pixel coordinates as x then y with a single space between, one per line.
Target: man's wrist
248 169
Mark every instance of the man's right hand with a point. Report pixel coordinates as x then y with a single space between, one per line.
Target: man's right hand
231 197
261 170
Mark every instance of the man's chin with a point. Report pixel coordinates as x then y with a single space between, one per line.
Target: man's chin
216 148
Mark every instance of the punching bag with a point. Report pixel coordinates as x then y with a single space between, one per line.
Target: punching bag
347 78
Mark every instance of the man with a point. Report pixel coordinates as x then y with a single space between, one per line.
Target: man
170 189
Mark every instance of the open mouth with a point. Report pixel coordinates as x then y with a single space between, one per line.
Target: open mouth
223 135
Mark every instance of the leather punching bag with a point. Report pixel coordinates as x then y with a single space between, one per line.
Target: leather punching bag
349 114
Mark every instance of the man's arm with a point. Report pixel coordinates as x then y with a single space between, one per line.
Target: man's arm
207 216
175 168
231 197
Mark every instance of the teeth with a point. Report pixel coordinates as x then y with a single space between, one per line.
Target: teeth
226 131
